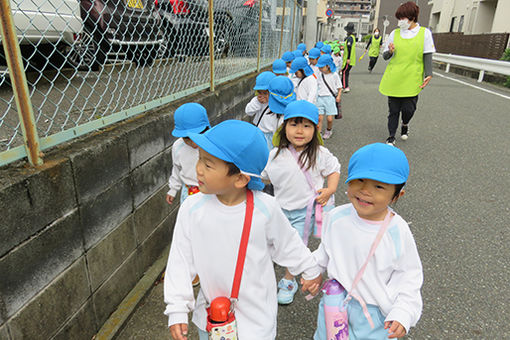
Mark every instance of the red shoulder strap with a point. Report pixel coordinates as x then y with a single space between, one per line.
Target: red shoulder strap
244 244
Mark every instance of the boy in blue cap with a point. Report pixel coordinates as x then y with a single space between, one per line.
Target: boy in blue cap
208 230
326 49
258 107
188 118
279 67
330 91
288 57
281 93
390 286
306 87
302 48
313 57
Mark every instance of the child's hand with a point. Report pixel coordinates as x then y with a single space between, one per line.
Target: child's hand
396 330
324 195
179 331
169 199
312 286
338 99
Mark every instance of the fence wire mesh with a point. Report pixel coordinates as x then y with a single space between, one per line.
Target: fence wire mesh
90 61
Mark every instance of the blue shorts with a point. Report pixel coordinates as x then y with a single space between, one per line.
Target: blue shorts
202 335
269 140
297 219
359 328
327 105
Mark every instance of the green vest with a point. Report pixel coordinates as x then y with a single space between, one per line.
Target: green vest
375 45
353 52
404 73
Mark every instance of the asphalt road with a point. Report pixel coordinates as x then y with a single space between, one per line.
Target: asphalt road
456 203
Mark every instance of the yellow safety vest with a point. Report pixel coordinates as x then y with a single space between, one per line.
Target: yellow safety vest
353 52
374 47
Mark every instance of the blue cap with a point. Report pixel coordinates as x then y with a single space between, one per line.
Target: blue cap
326 59
326 49
281 93
314 53
190 118
301 47
263 79
297 53
301 64
302 108
379 162
279 66
288 56
240 143
319 44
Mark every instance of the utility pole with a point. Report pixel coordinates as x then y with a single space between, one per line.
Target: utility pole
311 23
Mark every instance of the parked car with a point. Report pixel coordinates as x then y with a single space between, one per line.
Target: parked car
45 30
118 29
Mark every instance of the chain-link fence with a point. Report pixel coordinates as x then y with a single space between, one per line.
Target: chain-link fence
90 63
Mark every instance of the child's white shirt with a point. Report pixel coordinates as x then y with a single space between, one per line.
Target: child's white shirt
295 80
334 83
184 162
394 275
316 70
206 241
307 89
428 43
269 121
337 60
290 186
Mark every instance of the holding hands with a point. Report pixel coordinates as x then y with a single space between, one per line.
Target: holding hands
312 286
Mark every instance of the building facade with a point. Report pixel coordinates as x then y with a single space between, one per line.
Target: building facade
470 16
357 12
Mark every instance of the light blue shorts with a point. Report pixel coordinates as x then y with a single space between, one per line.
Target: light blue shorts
184 193
202 335
297 219
327 105
359 328
269 140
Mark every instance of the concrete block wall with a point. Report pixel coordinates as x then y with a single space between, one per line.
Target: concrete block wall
77 233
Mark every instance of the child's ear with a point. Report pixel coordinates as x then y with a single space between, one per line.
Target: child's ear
400 194
241 181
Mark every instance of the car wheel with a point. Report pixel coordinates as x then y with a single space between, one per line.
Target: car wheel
87 52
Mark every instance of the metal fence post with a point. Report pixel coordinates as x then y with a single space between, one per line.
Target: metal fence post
292 28
19 84
281 33
260 36
211 43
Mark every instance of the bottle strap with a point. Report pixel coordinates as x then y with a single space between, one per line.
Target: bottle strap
243 245
329 88
262 115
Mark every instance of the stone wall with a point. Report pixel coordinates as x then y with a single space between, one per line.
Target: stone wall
77 233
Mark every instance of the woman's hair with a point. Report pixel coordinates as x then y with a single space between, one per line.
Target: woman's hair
377 29
309 154
409 10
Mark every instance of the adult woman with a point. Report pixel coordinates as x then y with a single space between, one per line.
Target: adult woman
349 55
373 47
410 48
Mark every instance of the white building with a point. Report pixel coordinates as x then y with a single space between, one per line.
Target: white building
470 16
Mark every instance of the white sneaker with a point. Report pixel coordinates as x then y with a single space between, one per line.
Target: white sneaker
346 90
327 134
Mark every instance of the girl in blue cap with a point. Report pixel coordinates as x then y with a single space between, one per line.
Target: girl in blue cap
313 57
280 67
306 86
207 233
258 107
330 92
297 169
188 118
390 286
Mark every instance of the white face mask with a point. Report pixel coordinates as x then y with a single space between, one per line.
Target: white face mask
404 24
376 34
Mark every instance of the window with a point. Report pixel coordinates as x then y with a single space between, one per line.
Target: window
461 23
452 25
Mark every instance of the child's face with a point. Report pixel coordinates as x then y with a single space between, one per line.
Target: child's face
299 134
325 69
299 74
212 175
370 198
313 61
288 63
189 142
262 96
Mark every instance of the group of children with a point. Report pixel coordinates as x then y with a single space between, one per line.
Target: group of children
221 172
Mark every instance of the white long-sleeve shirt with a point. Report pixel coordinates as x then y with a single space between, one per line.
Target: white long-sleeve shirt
268 122
184 162
307 89
334 83
394 275
290 186
428 42
206 242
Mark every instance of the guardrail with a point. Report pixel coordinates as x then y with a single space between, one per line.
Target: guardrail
482 64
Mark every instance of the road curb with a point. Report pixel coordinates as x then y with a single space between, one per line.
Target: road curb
112 327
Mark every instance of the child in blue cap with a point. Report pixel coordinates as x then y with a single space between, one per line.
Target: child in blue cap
391 284
207 236
326 49
313 57
258 107
297 169
288 57
330 92
306 87
188 118
281 93
280 67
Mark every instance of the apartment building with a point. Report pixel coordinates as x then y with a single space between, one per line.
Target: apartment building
357 12
470 16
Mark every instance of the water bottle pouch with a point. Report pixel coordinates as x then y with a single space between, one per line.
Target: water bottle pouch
337 323
222 331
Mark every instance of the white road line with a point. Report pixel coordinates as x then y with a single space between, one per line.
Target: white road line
476 87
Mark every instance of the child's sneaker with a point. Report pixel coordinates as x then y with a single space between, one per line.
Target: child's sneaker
327 134
287 290
404 133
